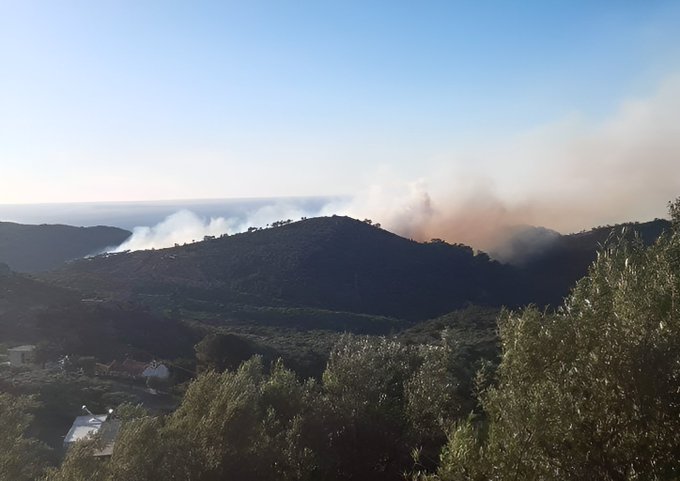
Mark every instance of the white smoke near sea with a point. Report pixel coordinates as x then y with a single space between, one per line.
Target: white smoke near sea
179 228
565 176
185 226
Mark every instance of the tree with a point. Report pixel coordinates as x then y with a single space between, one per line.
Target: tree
365 388
46 352
223 351
80 464
21 457
442 391
590 391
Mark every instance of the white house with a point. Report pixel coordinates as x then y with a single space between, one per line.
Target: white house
157 370
135 369
85 427
21 355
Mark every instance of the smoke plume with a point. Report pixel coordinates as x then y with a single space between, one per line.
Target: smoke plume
185 226
568 176
179 228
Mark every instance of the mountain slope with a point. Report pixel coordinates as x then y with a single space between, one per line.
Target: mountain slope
33 311
35 248
333 263
556 268
338 264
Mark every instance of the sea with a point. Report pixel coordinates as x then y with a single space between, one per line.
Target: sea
128 215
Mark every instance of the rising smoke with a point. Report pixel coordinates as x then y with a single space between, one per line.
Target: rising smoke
567 176
186 226
179 228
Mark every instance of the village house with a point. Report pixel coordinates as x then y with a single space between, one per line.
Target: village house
134 369
86 427
21 355
157 370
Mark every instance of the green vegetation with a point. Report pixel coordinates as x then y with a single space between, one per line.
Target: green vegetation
374 403
589 391
585 391
21 457
57 396
330 263
552 271
36 248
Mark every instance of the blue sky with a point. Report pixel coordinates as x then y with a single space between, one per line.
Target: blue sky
141 100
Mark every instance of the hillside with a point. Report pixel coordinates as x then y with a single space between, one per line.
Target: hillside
333 263
32 311
35 248
22 300
556 268
338 264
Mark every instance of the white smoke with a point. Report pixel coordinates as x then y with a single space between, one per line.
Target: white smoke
179 228
568 176
184 226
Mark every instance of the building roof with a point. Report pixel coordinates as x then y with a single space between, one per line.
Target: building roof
25 348
85 426
128 366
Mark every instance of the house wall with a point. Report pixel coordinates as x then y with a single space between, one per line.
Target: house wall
20 357
160 371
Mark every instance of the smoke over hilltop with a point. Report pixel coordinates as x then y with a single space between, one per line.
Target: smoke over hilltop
568 176
181 227
185 226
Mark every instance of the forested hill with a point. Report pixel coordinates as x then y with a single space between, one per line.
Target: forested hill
553 271
333 263
21 297
35 248
33 312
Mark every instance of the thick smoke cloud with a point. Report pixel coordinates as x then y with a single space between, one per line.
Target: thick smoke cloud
569 176
186 226
179 228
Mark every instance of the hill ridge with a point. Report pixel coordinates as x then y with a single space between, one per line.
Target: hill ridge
34 248
335 263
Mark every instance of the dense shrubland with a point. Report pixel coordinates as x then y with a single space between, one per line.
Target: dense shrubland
377 400
589 391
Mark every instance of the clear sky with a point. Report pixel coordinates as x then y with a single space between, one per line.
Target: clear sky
139 100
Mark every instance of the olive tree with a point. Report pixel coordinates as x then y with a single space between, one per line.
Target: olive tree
591 391
21 457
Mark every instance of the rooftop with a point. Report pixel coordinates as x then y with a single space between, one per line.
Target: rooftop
26 348
85 426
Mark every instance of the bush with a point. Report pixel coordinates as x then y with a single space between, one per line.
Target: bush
589 391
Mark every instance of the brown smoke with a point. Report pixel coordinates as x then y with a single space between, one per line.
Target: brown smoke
569 176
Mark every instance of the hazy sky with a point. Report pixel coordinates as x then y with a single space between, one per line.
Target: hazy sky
138 100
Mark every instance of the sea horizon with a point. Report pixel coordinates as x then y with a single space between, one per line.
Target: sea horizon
131 214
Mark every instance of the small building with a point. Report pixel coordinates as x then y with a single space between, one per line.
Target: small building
127 368
157 370
21 355
134 369
86 427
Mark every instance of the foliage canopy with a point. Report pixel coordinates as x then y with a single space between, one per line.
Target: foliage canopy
590 391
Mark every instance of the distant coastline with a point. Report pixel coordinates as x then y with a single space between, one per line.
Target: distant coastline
128 215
